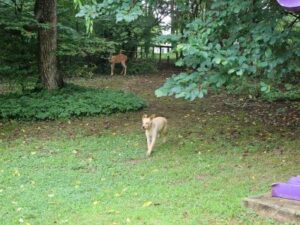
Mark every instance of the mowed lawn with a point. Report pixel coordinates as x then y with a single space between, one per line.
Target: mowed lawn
93 170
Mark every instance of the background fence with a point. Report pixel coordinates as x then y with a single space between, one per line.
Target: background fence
161 53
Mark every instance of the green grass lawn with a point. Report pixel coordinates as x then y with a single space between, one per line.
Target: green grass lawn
107 179
78 172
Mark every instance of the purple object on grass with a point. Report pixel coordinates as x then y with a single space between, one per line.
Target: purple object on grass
294 180
290 5
289 190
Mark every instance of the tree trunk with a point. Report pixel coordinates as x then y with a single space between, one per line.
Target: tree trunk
45 13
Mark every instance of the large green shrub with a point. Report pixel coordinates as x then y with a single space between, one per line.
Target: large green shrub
230 40
67 102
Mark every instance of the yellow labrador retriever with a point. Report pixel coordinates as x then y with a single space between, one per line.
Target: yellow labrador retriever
154 126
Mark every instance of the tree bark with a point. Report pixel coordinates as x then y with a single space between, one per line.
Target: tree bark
45 13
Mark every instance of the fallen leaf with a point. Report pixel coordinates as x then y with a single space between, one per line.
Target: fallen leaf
147 203
16 173
50 195
96 202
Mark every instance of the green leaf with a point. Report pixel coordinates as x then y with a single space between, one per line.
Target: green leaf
240 72
160 93
217 60
231 71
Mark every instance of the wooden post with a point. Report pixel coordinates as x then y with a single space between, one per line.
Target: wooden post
136 52
168 58
153 52
159 54
146 52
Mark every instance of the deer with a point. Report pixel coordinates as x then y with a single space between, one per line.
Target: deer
115 59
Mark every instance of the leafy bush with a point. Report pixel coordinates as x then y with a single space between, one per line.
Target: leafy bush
290 93
67 102
255 39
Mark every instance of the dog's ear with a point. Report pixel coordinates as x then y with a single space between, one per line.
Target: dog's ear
145 116
152 116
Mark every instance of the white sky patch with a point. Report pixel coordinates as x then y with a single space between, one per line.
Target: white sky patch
166 22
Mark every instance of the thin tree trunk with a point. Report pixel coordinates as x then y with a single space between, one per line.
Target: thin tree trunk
45 12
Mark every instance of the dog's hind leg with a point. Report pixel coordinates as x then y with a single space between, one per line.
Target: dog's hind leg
164 133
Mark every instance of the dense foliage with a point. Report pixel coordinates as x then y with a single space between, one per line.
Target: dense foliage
18 41
18 29
230 40
221 42
78 51
67 102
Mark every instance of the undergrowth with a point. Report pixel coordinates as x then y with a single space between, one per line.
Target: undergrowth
134 67
267 92
276 94
67 102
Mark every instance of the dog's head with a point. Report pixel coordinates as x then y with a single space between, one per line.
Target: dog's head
147 121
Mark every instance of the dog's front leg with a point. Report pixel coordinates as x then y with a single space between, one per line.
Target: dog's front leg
152 142
148 136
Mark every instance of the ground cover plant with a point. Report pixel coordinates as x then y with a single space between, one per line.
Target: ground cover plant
93 170
67 102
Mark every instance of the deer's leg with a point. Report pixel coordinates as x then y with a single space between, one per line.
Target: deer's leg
122 72
124 68
112 67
